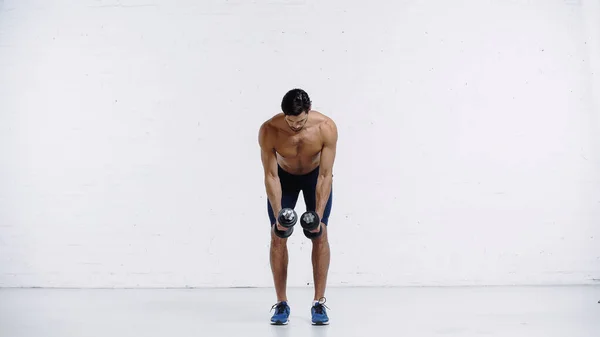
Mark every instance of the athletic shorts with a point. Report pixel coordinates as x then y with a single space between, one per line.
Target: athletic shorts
291 185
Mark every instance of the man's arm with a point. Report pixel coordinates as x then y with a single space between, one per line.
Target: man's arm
330 137
269 162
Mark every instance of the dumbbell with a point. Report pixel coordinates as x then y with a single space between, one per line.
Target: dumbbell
310 220
287 218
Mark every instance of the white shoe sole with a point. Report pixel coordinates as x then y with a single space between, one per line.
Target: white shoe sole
280 323
322 323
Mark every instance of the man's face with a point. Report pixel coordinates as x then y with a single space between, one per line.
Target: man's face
296 123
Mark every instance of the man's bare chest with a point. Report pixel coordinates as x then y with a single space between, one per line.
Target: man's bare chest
306 145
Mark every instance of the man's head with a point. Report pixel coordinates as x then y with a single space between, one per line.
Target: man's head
295 106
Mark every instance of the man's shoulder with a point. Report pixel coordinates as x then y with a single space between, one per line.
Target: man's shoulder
268 129
327 125
271 124
323 118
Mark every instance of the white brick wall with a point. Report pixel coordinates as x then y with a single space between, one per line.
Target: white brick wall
468 146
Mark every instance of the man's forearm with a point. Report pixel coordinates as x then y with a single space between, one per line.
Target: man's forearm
273 186
323 190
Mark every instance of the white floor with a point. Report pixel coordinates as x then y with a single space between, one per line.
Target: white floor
484 311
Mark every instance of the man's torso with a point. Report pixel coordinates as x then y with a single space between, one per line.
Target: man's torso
298 152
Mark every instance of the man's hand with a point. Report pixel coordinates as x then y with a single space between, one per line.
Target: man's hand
280 227
316 230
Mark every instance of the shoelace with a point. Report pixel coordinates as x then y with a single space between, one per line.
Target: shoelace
279 308
319 306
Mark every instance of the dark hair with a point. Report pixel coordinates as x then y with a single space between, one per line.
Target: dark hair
295 102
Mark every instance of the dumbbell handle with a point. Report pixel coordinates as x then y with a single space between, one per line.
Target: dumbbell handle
287 217
310 220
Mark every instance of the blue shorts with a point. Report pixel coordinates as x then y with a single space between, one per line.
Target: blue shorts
291 185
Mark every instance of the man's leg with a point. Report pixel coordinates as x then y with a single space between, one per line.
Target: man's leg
320 261
279 252
321 255
279 264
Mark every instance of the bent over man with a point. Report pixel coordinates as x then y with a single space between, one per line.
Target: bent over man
298 148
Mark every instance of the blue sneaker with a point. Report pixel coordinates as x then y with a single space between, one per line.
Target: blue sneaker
282 313
319 314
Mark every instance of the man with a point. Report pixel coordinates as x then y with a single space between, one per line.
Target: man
298 149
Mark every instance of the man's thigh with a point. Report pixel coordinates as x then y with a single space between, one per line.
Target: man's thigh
310 199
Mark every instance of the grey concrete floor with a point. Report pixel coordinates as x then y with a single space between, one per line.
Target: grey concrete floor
438 311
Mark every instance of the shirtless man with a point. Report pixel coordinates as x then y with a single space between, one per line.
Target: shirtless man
298 149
